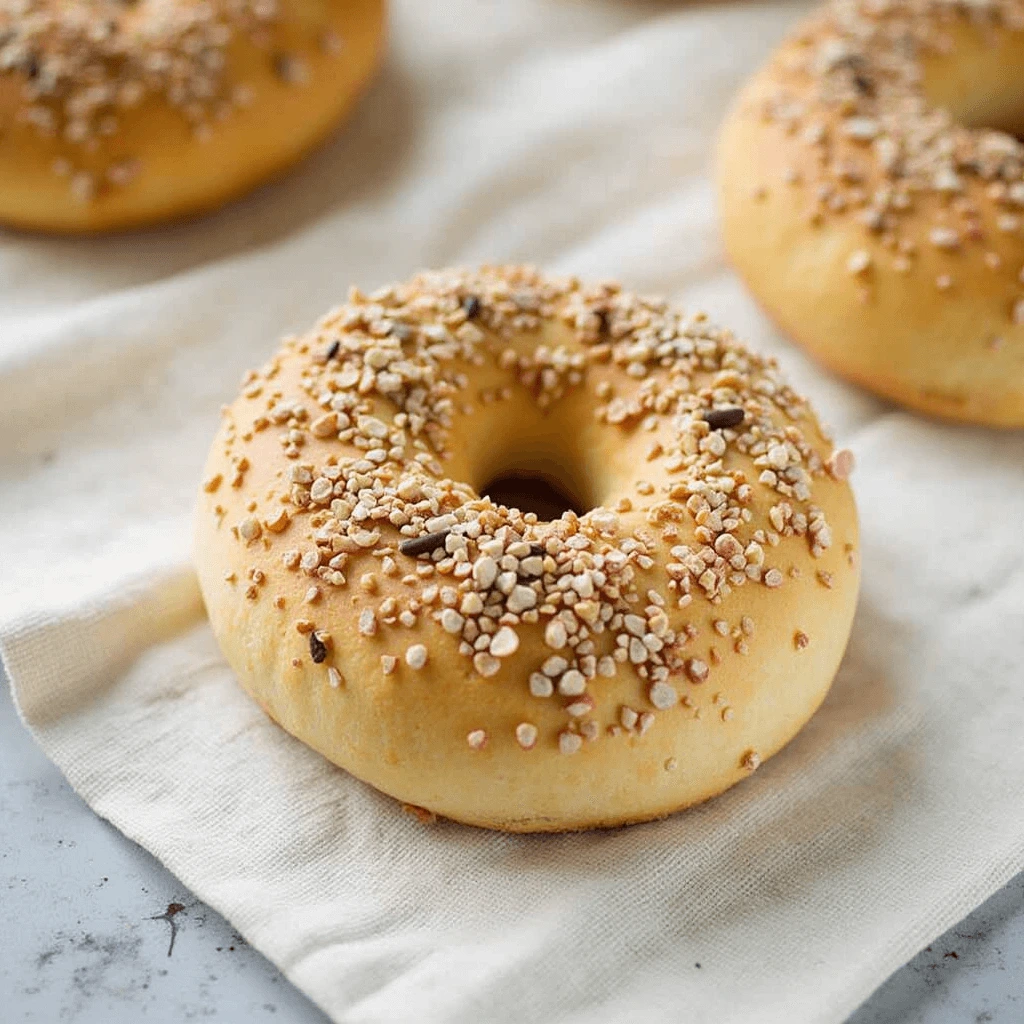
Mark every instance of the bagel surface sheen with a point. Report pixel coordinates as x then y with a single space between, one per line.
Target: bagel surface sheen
121 114
467 658
872 197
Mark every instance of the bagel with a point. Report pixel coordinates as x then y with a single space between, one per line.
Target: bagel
607 666
119 114
873 199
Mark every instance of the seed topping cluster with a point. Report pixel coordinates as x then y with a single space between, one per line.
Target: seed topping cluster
373 511
852 91
82 66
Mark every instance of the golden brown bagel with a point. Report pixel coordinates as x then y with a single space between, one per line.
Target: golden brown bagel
116 115
873 209
465 657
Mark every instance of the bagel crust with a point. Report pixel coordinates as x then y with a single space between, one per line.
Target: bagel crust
873 199
473 661
119 114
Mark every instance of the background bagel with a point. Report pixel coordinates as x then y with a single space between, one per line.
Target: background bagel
469 659
872 208
116 115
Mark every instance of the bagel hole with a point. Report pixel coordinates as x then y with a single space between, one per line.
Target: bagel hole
981 87
533 491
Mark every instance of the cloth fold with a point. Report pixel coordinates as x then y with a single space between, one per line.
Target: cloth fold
577 135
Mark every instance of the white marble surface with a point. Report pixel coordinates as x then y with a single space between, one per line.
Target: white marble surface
85 930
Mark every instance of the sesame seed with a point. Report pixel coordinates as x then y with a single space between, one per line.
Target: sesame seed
277 521
663 696
947 180
778 456
944 238
569 742
580 707
572 683
250 529
504 643
526 735
416 656
555 635
486 664
541 685
485 572
452 621
697 670
477 739
635 624
554 666
841 463
520 599
859 262
321 491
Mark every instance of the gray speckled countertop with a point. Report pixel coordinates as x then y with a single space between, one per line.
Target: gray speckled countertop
88 919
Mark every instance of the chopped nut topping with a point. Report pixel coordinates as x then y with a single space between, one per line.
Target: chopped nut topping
571 602
569 742
526 735
78 69
663 696
840 465
416 656
861 66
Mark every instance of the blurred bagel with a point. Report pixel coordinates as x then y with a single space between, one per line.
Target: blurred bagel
119 114
875 207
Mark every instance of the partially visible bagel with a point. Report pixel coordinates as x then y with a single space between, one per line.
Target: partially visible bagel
469 659
116 115
874 202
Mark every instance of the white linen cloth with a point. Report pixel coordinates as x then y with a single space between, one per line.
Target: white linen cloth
576 134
